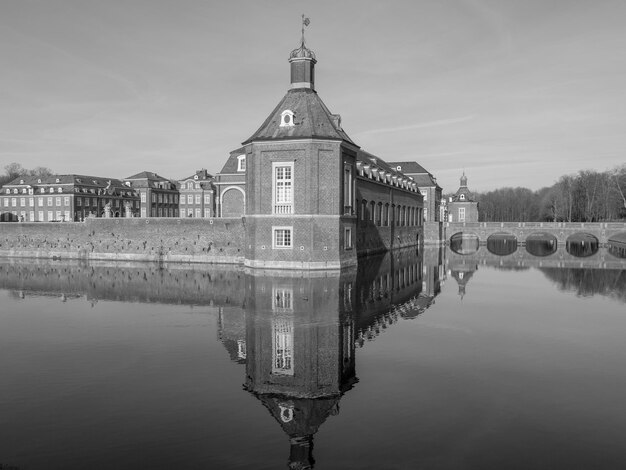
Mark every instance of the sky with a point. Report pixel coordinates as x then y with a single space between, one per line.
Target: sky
511 92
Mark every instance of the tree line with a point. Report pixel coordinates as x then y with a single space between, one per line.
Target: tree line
587 196
14 170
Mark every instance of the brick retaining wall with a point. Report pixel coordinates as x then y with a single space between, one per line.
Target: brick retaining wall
138 239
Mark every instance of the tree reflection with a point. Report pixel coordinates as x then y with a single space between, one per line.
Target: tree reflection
502 244
587 282
582 245
541 244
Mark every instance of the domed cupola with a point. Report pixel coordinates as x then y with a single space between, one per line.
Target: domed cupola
302 62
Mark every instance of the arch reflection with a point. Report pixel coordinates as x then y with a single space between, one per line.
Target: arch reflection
502 244
617 245
464 243
582 245
541 244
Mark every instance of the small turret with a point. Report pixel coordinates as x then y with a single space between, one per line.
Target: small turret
302 62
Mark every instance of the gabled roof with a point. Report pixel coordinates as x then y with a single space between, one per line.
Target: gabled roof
312 120
202 175
232 163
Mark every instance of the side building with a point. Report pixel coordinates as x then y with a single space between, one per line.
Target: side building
462 207
313 198
66 198
230 184
159 196
197 195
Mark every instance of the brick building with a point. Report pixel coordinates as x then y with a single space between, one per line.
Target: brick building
312 197
158 195
230 185
66 198
197 195
462 207
429 188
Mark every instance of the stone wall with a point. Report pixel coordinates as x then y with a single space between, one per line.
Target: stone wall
138 239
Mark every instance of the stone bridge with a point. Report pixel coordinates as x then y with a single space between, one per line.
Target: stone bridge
603 231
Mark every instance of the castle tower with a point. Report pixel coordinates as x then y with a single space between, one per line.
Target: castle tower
300 181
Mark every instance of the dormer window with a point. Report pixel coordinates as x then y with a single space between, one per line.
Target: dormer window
286 118
241 162
195 177
60 190
21 181
39 180
58 180
190 185
51 190
399 168
462 197
15 191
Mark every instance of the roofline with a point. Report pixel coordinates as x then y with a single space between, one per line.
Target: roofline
302 139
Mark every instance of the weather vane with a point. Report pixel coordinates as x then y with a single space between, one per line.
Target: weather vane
305 22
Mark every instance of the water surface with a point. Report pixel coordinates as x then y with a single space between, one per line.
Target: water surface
415 360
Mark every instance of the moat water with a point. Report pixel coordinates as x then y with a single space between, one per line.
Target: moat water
432 360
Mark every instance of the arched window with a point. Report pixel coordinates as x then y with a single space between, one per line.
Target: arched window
372 206
363 209
379 214
386 216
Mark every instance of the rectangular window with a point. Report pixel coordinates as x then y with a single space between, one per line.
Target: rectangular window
6 202
22 201
462 214
160 198
31 201
207 199
143 197
207 213
282 345
40 201
183 200
189 198
79 201
153 198
424 194
66 200
282 237
67 216
50 216
40 216
31 216
13 201
58 201
347 238
198 200
143 212
347 189
283 188
426 213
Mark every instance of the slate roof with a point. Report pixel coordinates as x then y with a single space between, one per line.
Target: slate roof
312 120
232 163
81 180
409 167
144 179
420 175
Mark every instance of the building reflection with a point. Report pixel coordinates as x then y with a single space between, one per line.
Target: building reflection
295 333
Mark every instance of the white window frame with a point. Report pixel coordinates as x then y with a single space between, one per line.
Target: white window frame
275 240
281 204
461 214
241 162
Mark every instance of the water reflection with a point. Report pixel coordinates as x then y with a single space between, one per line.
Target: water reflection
617 248
464 243
589 282
582 245
502 244
295 333
541 244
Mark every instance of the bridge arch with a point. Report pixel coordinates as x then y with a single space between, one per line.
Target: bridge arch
541 243
582 244
464 243
502 243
